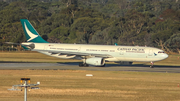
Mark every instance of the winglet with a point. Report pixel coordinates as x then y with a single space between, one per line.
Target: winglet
31 34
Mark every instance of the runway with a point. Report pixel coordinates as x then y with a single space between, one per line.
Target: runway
74 66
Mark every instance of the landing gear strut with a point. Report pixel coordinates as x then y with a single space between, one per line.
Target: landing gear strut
83 65
152 65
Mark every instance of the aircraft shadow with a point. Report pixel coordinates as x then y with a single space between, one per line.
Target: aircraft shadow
106 66
119 65
143 65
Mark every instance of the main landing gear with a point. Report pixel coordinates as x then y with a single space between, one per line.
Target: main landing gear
152 65
103 65
83 65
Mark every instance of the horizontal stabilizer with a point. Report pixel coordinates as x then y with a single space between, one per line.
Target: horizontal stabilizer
25 45
12 43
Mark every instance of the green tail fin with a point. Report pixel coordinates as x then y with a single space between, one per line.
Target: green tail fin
31 34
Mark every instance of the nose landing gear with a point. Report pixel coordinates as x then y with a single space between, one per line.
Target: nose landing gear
152 65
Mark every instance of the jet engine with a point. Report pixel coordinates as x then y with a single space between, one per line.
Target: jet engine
96 61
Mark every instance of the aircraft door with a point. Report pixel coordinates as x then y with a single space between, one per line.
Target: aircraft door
46 47
150 52
121 52
79 49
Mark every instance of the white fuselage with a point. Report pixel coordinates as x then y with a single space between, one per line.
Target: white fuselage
108 52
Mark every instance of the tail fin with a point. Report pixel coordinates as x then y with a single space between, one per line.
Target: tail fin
31 34
115 44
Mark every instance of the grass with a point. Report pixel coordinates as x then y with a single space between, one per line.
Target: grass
73 85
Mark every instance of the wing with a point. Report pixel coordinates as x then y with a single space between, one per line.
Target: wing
80 54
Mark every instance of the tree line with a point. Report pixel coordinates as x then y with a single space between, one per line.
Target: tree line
154 23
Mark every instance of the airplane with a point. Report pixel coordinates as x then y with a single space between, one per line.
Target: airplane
96 55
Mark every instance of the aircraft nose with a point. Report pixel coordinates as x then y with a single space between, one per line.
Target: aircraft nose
165 56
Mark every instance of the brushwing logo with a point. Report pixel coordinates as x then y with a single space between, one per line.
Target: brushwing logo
155 54
31 35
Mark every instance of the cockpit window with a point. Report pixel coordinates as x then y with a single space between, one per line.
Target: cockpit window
161 52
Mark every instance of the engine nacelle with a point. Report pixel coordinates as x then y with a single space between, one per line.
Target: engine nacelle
96 61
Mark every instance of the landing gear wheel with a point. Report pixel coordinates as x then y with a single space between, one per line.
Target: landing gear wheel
83 65
152 66
86 65
102 66
80 64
